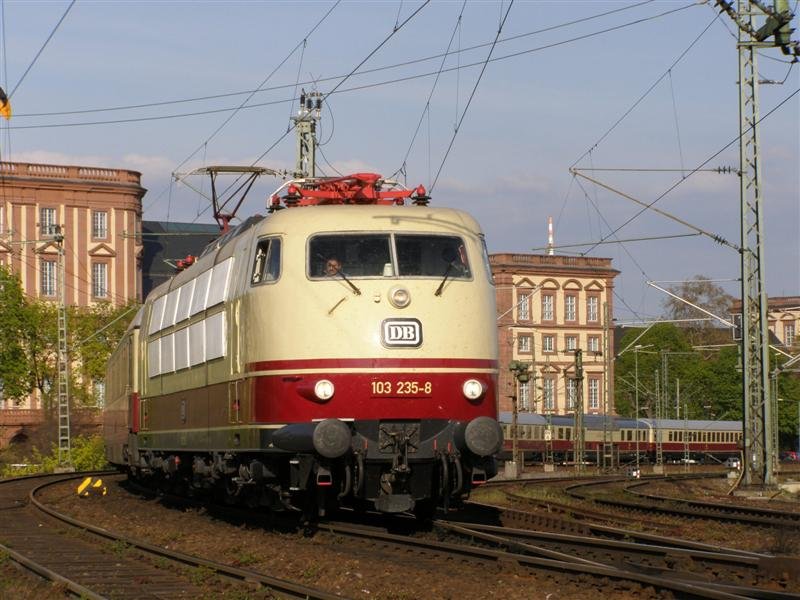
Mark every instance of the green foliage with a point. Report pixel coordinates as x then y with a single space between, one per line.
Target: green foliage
710 385
29 344
15 324
88 454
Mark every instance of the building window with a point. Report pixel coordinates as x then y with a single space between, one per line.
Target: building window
99 225
788 334
48 282
594 343
547 307
99 393
549 393
525 396
571 342
570 308
524 343
47 221
548 343
524 307
99 280
594 394
572 393
592 304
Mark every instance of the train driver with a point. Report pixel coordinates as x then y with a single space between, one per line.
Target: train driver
333 266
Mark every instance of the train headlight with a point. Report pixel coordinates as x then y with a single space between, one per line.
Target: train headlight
473 389
399 297
324 389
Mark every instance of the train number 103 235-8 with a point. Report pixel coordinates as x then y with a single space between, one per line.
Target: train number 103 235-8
402 388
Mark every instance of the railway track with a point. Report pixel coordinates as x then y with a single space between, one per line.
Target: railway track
516 549
106 565
683 508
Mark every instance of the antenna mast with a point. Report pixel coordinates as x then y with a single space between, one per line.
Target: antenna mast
64 446
306 125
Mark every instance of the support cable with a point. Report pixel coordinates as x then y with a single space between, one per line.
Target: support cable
266 79
695 170
427 106
677 126
39 53
646 92
471 96
370 85
332 77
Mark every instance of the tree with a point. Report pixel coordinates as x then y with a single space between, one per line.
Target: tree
701 291
710 385
15 322
29 344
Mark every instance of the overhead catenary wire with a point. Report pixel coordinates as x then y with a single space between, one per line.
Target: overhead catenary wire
427 106
263 82
324 96
653 85
695 170
332 77
471 97
369 85
41 49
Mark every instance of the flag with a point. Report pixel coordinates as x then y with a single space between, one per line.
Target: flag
5 105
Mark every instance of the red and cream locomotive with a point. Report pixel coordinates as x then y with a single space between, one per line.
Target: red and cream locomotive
340 352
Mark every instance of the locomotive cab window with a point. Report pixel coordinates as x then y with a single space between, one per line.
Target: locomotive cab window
432 256
365 255
383 255
267 261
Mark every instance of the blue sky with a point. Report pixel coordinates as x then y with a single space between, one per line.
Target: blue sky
545 100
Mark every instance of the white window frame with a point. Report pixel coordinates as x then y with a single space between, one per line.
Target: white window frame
548 343
572 393
788 334
593 308
99 280
594 394
548 310
524 307
570 307
549 393
593 343
47 220
48 273
525 396
99 225
571 342
523 343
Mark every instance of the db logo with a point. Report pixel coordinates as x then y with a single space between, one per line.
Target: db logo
401 333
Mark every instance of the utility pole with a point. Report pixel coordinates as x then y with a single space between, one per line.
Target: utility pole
64 451
521 374
608 445
306 125
659 466
579 438
759 406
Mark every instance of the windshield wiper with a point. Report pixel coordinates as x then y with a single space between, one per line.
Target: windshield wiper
444 279
356 291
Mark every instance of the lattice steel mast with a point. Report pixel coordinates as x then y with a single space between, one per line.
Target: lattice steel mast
64 445
760 444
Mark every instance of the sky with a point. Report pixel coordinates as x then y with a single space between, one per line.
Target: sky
423 92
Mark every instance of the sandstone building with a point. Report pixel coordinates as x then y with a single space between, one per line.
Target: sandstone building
99 213
549 306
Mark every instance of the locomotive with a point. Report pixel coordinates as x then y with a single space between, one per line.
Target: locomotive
339 352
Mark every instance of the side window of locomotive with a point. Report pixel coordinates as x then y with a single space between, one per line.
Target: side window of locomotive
355 255
267 261
432 256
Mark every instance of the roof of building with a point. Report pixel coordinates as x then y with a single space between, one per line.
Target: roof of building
166 242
